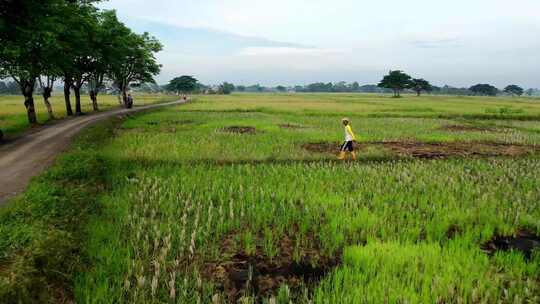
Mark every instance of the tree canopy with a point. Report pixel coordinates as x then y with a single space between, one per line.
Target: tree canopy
418 85
226 88
183 84
514 90
484 89
397 81
41 41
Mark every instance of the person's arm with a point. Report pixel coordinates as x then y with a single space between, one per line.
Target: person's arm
349 129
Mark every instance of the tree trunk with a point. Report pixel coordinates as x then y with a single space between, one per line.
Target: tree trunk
67 97
49 107
46 95
120 100
418 93
77 91
93 97
125 99
28 92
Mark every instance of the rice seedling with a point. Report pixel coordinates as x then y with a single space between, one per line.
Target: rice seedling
219 217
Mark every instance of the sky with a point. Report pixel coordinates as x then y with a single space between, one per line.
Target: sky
289 42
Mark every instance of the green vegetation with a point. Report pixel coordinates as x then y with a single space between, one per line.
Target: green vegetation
95 48
218 200
13 120
42 230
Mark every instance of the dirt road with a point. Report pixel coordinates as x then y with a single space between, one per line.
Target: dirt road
29 155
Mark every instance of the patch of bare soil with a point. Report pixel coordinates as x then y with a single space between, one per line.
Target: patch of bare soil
291 126
435 150
239 130
326 147
464 128
524 241
240 274
453 231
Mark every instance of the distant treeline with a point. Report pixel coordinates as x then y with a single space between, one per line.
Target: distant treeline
355 87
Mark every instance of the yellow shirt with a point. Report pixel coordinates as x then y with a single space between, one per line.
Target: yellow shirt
349 134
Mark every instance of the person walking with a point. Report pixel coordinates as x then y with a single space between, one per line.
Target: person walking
348 145
129 101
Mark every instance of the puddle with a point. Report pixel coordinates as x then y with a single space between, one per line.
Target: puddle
524 241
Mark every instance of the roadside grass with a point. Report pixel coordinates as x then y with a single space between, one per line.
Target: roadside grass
42 230
13 119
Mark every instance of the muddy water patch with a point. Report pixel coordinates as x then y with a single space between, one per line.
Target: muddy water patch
433 150
524 241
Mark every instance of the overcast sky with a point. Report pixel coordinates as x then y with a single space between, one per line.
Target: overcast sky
459 42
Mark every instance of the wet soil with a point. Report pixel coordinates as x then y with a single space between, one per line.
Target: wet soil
524 241
453 231
240 274
434 150
239 130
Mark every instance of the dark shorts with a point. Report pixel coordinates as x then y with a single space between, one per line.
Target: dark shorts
347 146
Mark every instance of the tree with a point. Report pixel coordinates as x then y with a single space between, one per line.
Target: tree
281 88
355 87
75 32
83 60
514 90
397 81
183 85
419 85
133 60
47 85
28 31
3 88
107 30
255 88
241 88
226 88
484 89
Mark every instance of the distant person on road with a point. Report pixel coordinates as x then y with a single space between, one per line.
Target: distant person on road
129 101
348 145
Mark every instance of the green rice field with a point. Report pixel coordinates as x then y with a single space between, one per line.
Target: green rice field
241 199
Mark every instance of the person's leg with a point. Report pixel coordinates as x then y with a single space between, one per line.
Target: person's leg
351 149
342 151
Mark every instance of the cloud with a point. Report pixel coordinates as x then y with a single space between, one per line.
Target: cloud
297 41
436 43
280 51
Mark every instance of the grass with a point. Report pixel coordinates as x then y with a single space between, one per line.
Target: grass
184 201
42 230
13 119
